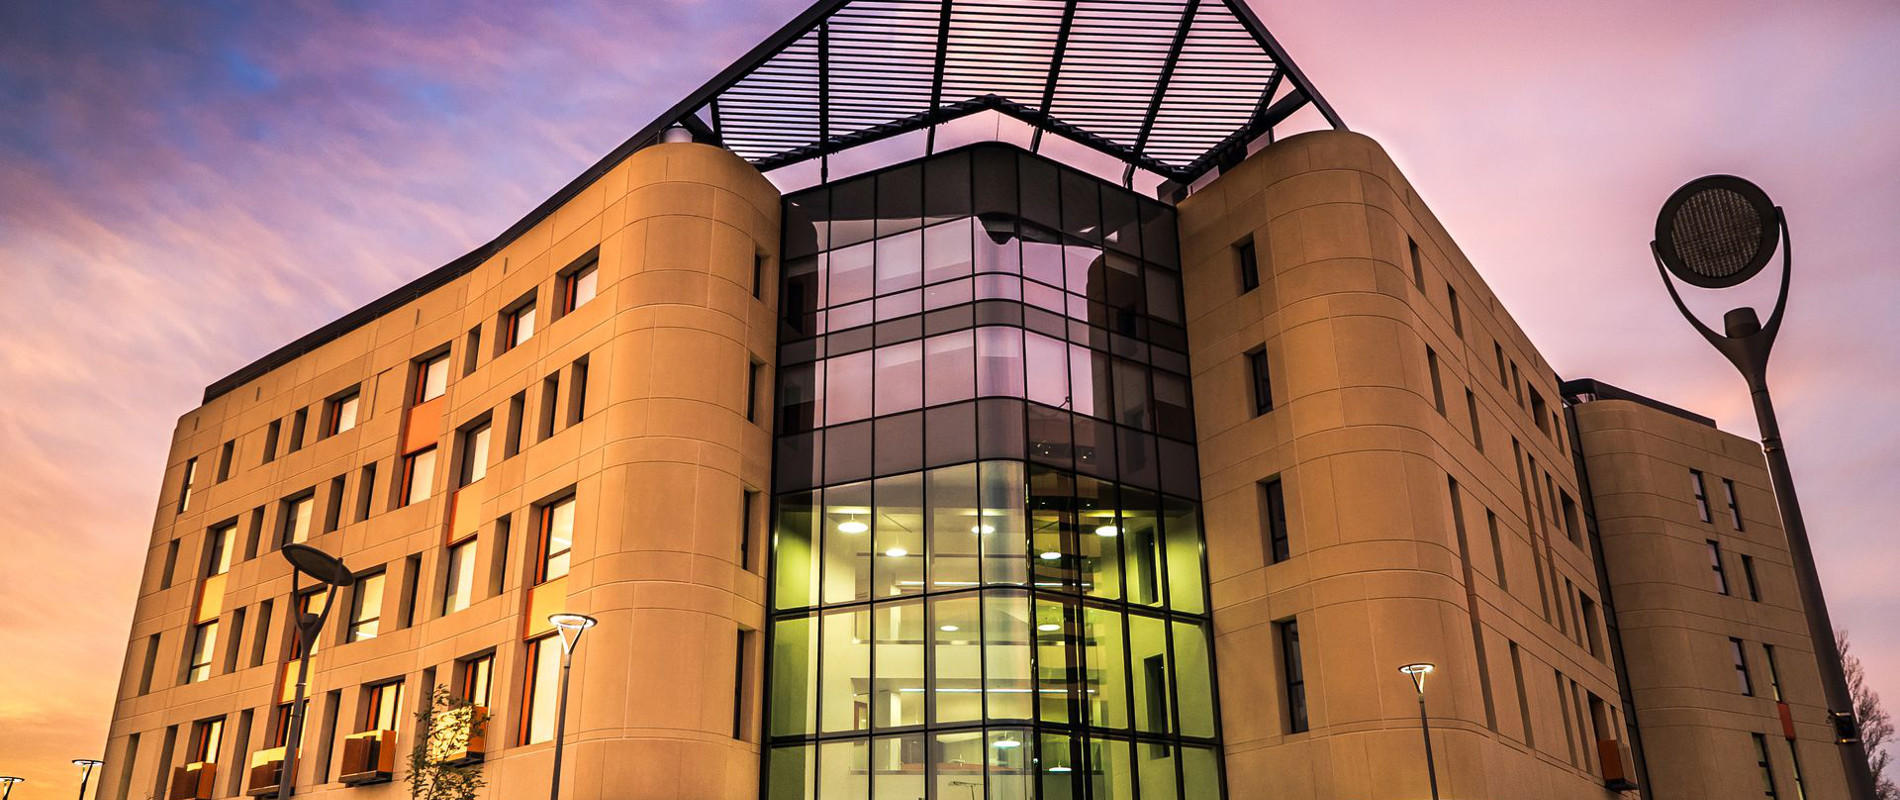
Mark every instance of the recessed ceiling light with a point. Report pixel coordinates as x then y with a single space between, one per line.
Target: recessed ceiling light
852 526
897 552
1048 626
1107 531
1007 744
1050 555
949 628
983 529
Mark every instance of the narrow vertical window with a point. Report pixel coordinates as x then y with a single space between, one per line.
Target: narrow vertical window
1774 671
207 737
339 413
1590 624
1734 512
1523 695
298 423
1540 413
517 324
260 635
1748 577
1418 265
748 519
418 476
226 455
550 401
236 640
411 589
557 540
1457 315
1249 260
577 391
1762 763
474 453
1471 410
742 644
1497 349
1742 682
382 706
459 576
1517 384
1497 549
1294 676
1261 380
476 676
517 409
151 664
579 286
1438 386
270 440
538 701
1794 760
498 557
432 378
366 608
297 514
184 486
758 276
1697 485
170 571
333 506
752 390
1573 526
365 491
1563 710
1273 520
472 350
1715 565
204 644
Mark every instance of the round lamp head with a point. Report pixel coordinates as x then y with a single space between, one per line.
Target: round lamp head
1716 231
572 622
1417 673
88 763
10 780
320 566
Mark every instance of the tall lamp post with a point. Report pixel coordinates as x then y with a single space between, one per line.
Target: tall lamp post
1714 233
7 782
1417 673
85 766
571 626
324 569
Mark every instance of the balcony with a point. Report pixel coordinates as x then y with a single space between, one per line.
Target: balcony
368 757
1618 772
194 781
459 735
267 770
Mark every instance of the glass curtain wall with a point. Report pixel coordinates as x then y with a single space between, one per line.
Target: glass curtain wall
988 577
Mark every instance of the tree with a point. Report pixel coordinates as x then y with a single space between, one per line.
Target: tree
445 728
1875 726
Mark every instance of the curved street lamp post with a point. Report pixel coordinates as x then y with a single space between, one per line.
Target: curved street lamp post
85 766
1417 673
6 785
570 626
324 569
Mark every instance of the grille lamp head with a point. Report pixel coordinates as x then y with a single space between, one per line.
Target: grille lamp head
1716 231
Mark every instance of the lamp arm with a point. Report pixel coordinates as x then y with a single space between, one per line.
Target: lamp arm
1714 338
1773 325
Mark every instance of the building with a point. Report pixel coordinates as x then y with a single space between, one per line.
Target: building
954 469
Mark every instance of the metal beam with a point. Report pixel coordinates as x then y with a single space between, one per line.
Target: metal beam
1245 14
1055 69
1161 82
936 79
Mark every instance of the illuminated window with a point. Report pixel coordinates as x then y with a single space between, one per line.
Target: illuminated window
220 543
366 607
204 642
557 539
476 676
207 736
339 413
1701 495
461 577
184 486
517 324
297 518
475 453
418 475
382 707
432 378
538 696
310 604
579 286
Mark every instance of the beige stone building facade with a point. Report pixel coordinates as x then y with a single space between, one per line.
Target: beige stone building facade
968 471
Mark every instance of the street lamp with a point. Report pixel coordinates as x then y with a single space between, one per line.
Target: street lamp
1417 673
1714 233
325 569
571 627
85 766
7 781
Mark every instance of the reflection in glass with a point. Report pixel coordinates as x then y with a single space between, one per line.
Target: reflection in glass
999 362
900 262
847 543
1051 529
949 368
1131 395
1089 382
849 274
947 251
1148 657
1004 527
1048 365
900 378
852 371
1107 673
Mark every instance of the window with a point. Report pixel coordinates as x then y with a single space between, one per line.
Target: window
472 350
1249 265
432 377
1273 518
366 608
1497 349
517 409
339 413
225 456
365 491
557 540
1734 513
151 664
1471 410
1794 760
333 507
578 287
1457 316
1418 266
235 641
184 486
1294 676
1715 564
749 515
1748 576
207 737
460 586
1438 386
382 707
1572 526
1761 761
1774 671
1523 695
1497 549
1517 385
476 674
1261 380
270 439
261 634
310 603
418 476
758 276
171 565
517 324
1540 414
474 450
297 517
1701 494
298 423
411 597
204 643
1589 623
550 400
538 700
1742 682
752 390
577 391
220 544
740 684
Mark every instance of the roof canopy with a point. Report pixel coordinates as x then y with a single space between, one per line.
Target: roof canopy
1171 86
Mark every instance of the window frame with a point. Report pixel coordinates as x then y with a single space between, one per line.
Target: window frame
1715 564
512 335
1292 676
1260 380
411 463
355 629
1746 682
587 266
333 418
1701 490
1247 258
424 367
544 540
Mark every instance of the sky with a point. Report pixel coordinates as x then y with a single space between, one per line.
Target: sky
186 186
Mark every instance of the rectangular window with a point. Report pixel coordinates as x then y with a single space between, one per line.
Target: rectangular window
1517 384
1438 386
1701 494
752 390
476 675
1418 265
579 286
749 519
1742 682
1497 549
550 400
742 645
1261 379
1457 316
220 545
1540 414
311 602
366 608
459 589
517 324
333 507
1563 710
170 571
204 644
270 440
365 491
577 391
1590 623
758 276
556 540
411 589
339 412
474 451
498 555
260 636
297 518
1794 760
1523 695
226 455
1273 519
432 378
1497 349
236 640
1734 512
298 423
472 350
1471 411
1572 525
1748 576
207 737
1249 265
538 699
1774 671
184 486
382 707
151 664
418 476
1294 675
1715 565
1762 762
